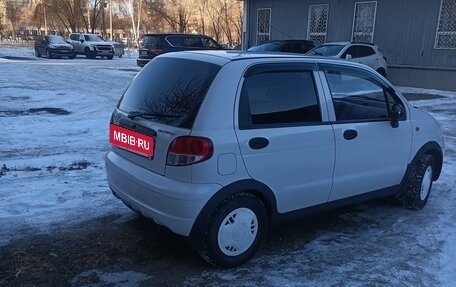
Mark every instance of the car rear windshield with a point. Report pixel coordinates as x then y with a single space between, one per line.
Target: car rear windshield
169 90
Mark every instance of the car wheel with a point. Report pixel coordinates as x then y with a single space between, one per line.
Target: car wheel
88 53
120 56
48 54
235 232
110 57
37 53
419 184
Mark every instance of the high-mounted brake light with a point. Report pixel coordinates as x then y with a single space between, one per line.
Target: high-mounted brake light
187 150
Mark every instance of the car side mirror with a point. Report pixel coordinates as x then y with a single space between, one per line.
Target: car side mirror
348 57
397 113
82 40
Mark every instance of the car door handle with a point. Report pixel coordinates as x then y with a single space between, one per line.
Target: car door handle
350 134
258 143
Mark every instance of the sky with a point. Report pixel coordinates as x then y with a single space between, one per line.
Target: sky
55 114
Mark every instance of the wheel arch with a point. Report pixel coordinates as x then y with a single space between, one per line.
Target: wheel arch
256 188
432 148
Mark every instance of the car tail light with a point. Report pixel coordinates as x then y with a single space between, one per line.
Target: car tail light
154 52
187 150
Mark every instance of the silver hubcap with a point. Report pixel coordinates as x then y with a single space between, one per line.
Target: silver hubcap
426 183
237 231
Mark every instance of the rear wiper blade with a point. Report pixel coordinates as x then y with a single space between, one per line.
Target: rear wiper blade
147 115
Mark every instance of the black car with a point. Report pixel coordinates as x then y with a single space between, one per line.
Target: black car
287 46
53 46
156 44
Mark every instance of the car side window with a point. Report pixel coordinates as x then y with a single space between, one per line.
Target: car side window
175 41
365 51
278 99
357 96
74 37
193 42
352 50
209 43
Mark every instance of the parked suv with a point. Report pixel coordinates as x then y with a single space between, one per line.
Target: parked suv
91 45
221 146
156 44
287 46
364 53
53 46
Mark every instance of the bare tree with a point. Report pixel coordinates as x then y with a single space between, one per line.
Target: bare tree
176 13
14 14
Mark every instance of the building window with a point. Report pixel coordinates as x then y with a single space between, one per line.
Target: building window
364 21
446 30
263 25
318 23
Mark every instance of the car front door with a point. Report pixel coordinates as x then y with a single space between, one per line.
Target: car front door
283 133
371 152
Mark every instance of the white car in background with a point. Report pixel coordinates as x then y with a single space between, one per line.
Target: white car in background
364 53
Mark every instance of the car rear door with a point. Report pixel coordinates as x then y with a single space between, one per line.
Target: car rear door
283 134
371 154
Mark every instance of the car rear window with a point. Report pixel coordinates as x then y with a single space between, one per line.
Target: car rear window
171 89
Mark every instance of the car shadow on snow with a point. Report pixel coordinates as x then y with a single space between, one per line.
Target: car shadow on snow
83 254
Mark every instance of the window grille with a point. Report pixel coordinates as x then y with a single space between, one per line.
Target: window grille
263 25
318 23
364 21
446 31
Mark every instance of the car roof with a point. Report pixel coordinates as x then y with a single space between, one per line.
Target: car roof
348 43
222 57
174 34
335 43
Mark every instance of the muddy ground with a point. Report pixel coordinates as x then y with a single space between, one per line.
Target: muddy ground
77 255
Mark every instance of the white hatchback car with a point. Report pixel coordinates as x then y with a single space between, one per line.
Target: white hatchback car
221 146
364 53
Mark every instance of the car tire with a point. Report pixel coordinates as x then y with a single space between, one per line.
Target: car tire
37 53
418 186
235 231
88 53
120 56
110 57
48 54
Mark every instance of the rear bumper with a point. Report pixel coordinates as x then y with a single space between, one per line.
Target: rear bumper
172 203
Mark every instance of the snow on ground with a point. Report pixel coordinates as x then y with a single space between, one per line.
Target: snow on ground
54 116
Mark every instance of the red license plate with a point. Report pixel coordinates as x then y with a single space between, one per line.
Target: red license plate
131 140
